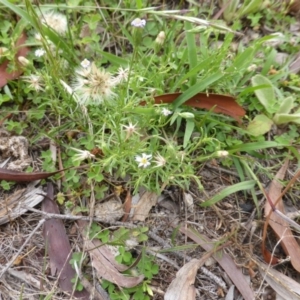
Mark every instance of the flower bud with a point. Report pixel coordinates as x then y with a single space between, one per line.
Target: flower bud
160 38
186 115
222 153
23 61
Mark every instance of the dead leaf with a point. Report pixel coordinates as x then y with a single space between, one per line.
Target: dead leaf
58 247
182 287
104 262
23 51
219 103
278 224
109 211
144 205
16 204
127 206
283 285
225 261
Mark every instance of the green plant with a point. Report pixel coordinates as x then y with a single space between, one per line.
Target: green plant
277 107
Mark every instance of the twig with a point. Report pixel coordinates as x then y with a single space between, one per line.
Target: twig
8 265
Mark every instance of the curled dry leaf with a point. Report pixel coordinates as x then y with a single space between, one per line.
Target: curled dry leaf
278 224
182 287
15 205
23 50
225 261
144 205
104 262
109 211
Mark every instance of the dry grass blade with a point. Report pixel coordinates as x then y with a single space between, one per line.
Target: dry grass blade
104 262
225 261
278 224
59 248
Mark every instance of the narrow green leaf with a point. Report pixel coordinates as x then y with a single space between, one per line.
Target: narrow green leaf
255 146
195 89
190 125
245 185
192 53
114 59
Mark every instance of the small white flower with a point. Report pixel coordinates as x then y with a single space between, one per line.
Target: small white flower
85 63
56 21
222 153
82 154
141 23
166 112
39 52
130 129
122 75
144 160
35 82
160 160
160 38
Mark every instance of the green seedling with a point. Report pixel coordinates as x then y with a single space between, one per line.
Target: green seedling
278 109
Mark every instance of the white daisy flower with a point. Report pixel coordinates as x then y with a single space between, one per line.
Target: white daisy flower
35 82
143 160
56 21
160 160
39 52
85 63
141 23
166 112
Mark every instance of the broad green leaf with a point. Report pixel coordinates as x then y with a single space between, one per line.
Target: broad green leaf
190 124
260 125
286 118
265 94
198 87
245 185
286 105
